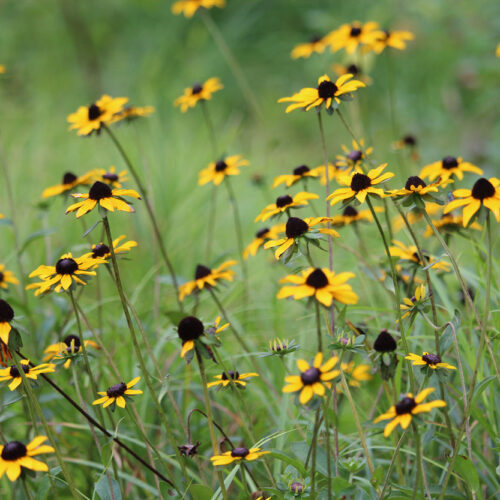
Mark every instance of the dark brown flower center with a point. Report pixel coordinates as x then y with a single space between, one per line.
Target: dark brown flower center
13 451
449 162
317 279
416 256
100 190
283 201
385 342
431 359
355 31
190 328
240 452
414 181
66 266
406 405
6 312
262 233
352 68
230 375
350 211
301 170
387 34
296 227
76 343
116 390
220 166
310 376
69 178
94 112
483 189
201 272
360 182
327 89
315 39
355 155
2 276
110 176
197 88
410 140
14 372
100 250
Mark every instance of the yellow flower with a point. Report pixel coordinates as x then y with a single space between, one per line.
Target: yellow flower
351 36
66 271
2 69
447 167
386 38
428 359
449 223
402 412
322 284
69 181
312 379
298 173
285 203
217 171
334 172
88 119
314 45
326 92
355 70
116 394
484 193
12 373
237 454
101 194
6 316
351 215
198 92
409 304
189 7
231 376
353 157
261 237
7 277
360 185
110 176
357 373
296 228
497 50
130 113
204 277
102 251
15 455
416 186
66 349
416 214
410 253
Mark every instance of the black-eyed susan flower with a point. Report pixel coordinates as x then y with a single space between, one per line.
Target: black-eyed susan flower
385 342
327 93
484 193
409 406
193 335
449 166
238 454
6 316
198 92
387 38
360 185
218 327
5 354
232 377
217 170
189 7
410 254
15 455
298 173
430 360
350 36
68 270
450 223
313 378
409 142
416 187
88 119
101 194
353 157
300 228
322 284
130 113
416 214
7 277
2 69
110 176
334 171
31 372
411 304
353 69
118 394
67 349
69 181
204 277
314 45
350 215
285 203
261 236
102 251
279 347
356 373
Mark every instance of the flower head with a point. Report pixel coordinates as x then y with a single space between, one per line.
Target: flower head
261 236
102 251
386 38
7 277
117 394
356 373
327 93
409 305
6 316
409 406
237 454
430 360
415 186
285 203
322 284
450 223
66 350
351 215
232 377
314 45
409 253
352 35
88 119
68 182
189 7
449 166
189 329
198 92
14 455
110 176
353 157
204 277
216 171
353 69
131 113
385 342
312 379
279 347
298 173
484 193
31 372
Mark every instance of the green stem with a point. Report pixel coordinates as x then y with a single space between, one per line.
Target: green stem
210 127
391 465
417 487
211 223
328 456
26 489
313 452
318 327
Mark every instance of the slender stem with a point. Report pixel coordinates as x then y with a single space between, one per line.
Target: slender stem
26 489
149 209
418 458
211 223
313 452
318 327
391 465
210 420
210 127
328 455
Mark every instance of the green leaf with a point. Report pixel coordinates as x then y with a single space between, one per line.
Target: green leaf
200 492
33 237
467 470
481 387
227 483
103 490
